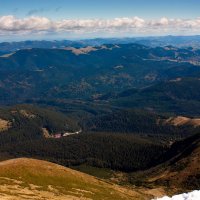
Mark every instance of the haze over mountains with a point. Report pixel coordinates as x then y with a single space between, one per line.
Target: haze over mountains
178 41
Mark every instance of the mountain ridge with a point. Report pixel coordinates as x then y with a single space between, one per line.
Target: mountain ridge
37 179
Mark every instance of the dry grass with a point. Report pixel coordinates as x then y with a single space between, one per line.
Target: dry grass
175 177
34 179
4 125
81 50
27 114
7 55
46 133
182 121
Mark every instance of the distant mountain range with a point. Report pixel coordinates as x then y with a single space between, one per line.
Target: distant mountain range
177 41
140 74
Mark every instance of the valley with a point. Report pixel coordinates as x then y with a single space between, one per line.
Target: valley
99 100
103 121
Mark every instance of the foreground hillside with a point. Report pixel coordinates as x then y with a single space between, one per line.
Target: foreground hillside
23 179
181 173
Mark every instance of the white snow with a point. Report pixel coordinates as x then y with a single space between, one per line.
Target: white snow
195 195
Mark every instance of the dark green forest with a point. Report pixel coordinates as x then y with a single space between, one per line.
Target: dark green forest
118 96
127 141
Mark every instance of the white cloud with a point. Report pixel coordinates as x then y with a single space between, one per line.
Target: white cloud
195 195
10 25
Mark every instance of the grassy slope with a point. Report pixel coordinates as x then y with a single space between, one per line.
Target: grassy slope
183 171
35 179
180 174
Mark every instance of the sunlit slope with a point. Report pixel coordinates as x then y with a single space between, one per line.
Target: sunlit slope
35 179
182 172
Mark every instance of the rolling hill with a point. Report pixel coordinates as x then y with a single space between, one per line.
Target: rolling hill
178 41
71 73
129 109
127 140
180 173
179 96
36 179
23 179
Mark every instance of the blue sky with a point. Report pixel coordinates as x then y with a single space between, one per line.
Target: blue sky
59 9
152 11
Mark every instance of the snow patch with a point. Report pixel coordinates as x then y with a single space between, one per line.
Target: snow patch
195 195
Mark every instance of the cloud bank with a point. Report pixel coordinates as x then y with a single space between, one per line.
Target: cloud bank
11 25
195 195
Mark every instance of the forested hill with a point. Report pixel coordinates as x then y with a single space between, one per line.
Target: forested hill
87 72
125 107
180 96
125 140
